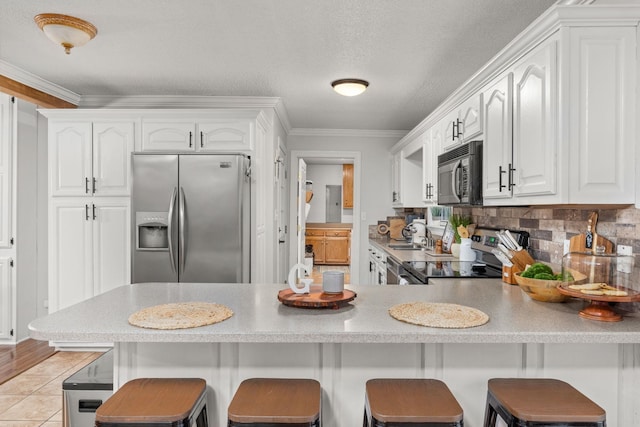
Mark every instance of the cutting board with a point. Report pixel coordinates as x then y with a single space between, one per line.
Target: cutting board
587 242
395 228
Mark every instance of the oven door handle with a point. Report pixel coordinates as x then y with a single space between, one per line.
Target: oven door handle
455 181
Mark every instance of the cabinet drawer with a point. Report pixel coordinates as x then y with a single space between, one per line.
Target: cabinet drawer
337 233
314 232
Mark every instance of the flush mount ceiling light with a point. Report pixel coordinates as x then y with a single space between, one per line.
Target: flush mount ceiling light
65 30
350 87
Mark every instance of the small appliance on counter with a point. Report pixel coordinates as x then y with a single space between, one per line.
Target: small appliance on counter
486 265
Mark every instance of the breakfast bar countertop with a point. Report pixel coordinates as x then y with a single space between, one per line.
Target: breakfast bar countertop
260 318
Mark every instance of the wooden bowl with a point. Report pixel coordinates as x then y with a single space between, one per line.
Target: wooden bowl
545 290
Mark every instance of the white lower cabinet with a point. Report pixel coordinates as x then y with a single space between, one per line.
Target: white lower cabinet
6 302
89 247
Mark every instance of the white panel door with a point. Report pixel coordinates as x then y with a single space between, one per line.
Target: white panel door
70 252
497 146
112 148
225 135
535 142
470 114
111 244
6 303
167 135
603 118
6 205
70 158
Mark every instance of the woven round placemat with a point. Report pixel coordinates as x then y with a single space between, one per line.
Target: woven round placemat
180 315
438 315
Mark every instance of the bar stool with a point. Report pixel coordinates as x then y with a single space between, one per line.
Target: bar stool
538 401
149 402
410 402
266 402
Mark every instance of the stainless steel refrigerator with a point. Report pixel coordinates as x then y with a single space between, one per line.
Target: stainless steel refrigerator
191 218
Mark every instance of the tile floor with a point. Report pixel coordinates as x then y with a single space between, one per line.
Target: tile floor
34 398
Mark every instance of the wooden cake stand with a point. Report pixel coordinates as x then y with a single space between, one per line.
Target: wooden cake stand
315 298
599 309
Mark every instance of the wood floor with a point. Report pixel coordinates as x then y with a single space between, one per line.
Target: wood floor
316 274
15 359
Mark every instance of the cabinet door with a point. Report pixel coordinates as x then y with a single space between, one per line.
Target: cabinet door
318 248
396 174
225 135
450 131
70 252
470 114
347 186
70 158
112 147
111 244
603 117
337 248
6 205
6 303
535 150
497 145
168 135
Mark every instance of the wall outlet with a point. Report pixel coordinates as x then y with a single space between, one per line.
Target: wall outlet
624 250
565 249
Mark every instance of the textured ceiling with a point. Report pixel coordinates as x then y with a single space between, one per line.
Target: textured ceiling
414 53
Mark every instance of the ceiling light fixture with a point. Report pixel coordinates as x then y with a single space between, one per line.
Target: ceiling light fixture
65 30
350 87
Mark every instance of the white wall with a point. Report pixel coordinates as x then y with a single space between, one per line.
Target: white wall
375 194
323 175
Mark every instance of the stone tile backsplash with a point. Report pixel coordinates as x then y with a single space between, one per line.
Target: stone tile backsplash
549 226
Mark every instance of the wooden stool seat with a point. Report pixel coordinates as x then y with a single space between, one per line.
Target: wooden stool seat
532 401
155 402
276 401
425 402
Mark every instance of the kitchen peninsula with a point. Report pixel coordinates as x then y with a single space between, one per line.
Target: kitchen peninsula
343 348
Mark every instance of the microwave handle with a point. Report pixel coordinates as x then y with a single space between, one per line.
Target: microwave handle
455 182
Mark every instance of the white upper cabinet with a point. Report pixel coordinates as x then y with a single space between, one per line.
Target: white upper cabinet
207 135
535 114
463 123
6 205
497 145
90 159
602 80
430 153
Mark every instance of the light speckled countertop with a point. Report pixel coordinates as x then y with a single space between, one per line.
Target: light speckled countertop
260 317
405 255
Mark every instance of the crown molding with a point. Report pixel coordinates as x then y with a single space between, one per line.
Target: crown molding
179 101
361 133
31 80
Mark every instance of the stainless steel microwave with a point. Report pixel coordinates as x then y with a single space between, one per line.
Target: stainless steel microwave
460 175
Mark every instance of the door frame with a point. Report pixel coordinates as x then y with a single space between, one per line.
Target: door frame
331 156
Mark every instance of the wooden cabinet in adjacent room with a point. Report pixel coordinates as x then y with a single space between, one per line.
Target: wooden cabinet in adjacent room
331 246
347 186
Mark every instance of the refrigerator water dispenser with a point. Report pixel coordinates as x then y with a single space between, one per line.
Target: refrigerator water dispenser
152 231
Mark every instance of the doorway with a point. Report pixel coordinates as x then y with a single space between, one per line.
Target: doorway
298 223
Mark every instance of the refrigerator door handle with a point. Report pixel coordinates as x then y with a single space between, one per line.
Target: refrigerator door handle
172 204
181 232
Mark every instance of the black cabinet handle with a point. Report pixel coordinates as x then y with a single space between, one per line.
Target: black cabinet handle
93 186
190 139
86 185
86 212
511 180
93 208
201 139
500 172
453 131
459 132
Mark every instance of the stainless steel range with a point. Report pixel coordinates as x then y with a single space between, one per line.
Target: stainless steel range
484 241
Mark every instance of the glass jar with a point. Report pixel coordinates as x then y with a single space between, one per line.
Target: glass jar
614 274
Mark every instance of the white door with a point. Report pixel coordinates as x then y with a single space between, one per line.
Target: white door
70 252
302 202
112 148
6 207
497 146
111 244
6 303
70 158
282 218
